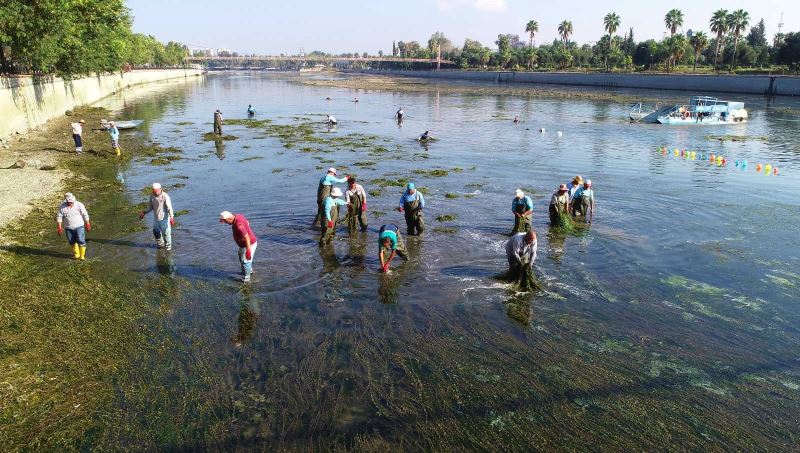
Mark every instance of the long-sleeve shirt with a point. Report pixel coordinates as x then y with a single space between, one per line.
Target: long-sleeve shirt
583 193
71 217
392 238
559 200
329 202
356 190
217 118
410 198
517 248
114 132
161 205
77 128
525 201
241 230
328 180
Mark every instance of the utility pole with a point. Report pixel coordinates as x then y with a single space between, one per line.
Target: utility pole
780 24
439 57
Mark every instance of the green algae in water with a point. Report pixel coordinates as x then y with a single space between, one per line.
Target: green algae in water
445 230
436 173
375 192
184 123
182 212
250 123
737 138
245 159
564 223
451 195
212 137
377 214
446 218
277 170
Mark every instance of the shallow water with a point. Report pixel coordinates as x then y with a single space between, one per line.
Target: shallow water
673 318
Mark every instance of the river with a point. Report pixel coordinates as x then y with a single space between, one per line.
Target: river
671 320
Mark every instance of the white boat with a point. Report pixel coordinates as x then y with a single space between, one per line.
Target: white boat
129 124
641 113
705 111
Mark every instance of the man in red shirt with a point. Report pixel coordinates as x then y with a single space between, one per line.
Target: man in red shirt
244 238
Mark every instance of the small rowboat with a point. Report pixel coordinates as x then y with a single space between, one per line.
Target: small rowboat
129 124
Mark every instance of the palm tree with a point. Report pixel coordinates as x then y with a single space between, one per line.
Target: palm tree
719 25
611 23
673 20
676 45
699 42
565 30
737 22
532 28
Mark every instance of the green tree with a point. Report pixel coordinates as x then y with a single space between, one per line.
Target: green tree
737 22
629 44
565 31
719 25
758 35
532 28
503 50
698 41
610 23
439 39
673 20
788 52
530 56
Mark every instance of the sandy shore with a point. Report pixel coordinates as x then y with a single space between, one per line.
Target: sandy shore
413 84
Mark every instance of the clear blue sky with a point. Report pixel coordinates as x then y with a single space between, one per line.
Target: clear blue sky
273 27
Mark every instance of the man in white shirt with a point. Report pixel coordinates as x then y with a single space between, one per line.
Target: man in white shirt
77 135
521 250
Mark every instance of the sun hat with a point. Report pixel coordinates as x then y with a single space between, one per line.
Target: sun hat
519 193
156 186
562 187
69 198
332 170
336 192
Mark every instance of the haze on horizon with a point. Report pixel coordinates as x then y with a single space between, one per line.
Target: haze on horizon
271 28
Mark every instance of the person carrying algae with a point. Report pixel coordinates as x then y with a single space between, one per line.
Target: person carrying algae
522 207
559 207
324 191
412 203
356 198
331 207
390 243
521 254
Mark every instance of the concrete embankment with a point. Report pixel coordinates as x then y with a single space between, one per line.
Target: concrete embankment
757 84
29 102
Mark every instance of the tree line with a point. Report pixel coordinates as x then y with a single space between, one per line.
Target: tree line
73 38
728 45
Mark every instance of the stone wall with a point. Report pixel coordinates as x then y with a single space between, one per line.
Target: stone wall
28 102
698 84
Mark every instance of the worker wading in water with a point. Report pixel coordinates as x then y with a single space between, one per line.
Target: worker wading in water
356 199
522 207
559 204
412 203
218 122
324 191
331 208
390 243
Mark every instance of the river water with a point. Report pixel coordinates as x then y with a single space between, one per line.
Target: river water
672 320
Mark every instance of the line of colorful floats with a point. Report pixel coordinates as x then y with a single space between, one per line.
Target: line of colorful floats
717 159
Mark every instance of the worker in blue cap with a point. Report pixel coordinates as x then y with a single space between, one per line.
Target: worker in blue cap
412 203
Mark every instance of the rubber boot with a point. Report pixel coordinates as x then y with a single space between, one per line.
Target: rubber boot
76 253
83 252
118 151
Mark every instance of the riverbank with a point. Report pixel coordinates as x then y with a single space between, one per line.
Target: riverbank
67 328
760 85
409 83
28 102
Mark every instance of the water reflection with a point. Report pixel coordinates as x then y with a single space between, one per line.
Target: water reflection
219 147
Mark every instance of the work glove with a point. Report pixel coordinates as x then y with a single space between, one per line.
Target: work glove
88 226
60 230
172 221
399 209
364 206
385 268
141 215
330 223
248 254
